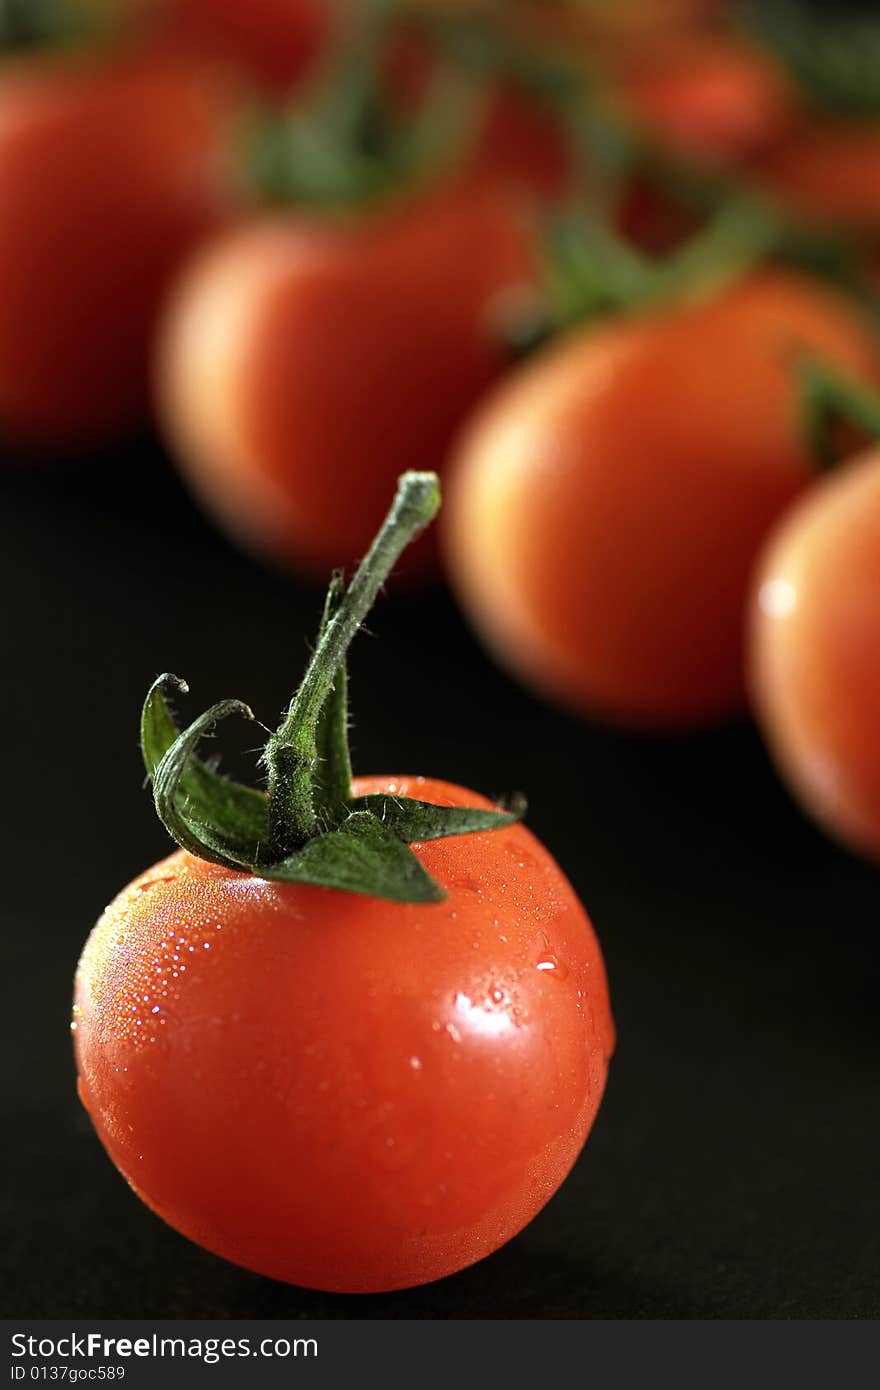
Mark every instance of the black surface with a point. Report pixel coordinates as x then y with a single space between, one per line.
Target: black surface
733 1170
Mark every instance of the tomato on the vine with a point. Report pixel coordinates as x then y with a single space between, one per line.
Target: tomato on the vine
328 1056
829 170
275 41
710 97
815 651
608 502
304 364
112 170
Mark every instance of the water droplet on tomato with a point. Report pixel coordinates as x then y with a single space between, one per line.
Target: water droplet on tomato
390 1151
550 964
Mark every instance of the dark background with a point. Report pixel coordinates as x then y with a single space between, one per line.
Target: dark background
733 1170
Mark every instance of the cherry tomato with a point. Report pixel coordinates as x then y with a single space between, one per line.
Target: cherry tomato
522 143
711 98
303 365
346 1093
815 652
111 172
608 503
276 41
831 171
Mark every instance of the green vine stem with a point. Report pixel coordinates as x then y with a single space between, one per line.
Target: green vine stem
291 753
349 144
27 24
742 224
310 829
830 397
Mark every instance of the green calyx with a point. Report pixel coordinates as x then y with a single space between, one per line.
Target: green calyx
833 56
831 398
353 143
309 828
591 271
26 24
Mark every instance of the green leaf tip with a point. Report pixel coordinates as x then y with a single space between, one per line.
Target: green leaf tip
362 856
829 397
308 827
414 822
353 142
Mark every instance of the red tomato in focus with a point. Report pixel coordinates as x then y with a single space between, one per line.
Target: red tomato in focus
339 1092
815 653
605 511
276 41
110 173
304 366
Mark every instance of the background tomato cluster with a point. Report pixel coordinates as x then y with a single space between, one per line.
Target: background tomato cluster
168 333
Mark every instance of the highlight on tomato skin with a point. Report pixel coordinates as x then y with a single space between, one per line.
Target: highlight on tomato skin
606 507
354 1033
303 364
112 169
339 1092
815 652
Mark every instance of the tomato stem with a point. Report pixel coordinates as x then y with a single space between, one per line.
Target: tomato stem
311 828
291 753
829 397
353 143
44 23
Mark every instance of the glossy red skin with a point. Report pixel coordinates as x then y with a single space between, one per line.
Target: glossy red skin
111 173
304 366
608 503
815 652
275 41
339 1092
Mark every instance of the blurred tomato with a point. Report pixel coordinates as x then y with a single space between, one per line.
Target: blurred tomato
815 652
304 365
111 171
709 97
830 170
276 41
621 25
607 505
522 142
